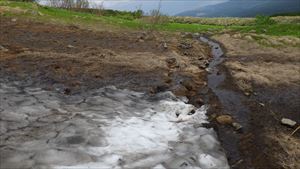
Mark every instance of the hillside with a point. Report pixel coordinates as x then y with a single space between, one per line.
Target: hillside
245 8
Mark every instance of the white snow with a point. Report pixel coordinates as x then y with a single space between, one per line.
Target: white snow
112 128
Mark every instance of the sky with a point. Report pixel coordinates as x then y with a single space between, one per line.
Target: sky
169 7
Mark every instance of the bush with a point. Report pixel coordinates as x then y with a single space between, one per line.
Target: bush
264 20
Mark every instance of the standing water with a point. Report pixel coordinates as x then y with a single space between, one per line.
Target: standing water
104 128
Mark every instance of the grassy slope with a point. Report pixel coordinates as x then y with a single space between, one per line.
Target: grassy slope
47 14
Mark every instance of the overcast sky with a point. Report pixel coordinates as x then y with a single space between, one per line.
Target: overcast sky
169 7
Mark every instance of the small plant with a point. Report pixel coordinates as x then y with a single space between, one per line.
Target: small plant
264 20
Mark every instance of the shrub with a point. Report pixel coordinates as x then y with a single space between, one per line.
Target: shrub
264 20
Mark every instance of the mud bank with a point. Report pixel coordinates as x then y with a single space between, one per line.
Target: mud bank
261 87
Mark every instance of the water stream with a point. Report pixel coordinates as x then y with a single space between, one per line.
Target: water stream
232 101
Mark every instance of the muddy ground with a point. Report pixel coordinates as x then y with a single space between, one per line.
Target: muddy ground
73 60
265 73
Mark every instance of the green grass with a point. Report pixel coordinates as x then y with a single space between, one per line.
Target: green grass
49 14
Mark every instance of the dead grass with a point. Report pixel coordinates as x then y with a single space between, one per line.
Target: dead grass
289 158
251 63
264 74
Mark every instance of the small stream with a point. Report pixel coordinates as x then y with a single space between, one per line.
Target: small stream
230 99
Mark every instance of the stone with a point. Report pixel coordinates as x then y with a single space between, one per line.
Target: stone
71 46
2 48
247 94
200 101
288 122
165 45
67 91
224 119
192 112
196 35
171 61
188 85
185 45
237 126
14 20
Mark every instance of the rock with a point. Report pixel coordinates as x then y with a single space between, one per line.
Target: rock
237 36
171 61
185 45
237 126
248 37
288 122
247 94
188 85
14 20
67 91
196 35
192 112
200 101
224 119
187 35
165 46
2 48
71 46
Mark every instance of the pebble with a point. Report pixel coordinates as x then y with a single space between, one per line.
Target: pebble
71 46
224 119
288 122
165 45
2 48
237 126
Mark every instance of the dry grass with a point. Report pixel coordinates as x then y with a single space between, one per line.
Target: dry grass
289 158
227 21
251 63
264 73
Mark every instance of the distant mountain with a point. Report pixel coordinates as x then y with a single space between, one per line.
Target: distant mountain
169 7
245 8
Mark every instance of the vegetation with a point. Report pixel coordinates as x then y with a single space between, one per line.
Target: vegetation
287 14
264 20
135 20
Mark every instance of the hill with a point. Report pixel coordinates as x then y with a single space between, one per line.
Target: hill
245 8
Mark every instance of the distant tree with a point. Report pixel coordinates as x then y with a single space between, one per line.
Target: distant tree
79 4
25 0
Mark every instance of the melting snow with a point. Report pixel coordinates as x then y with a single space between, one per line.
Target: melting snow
104 128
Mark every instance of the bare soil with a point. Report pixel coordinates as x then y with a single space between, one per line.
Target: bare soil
77 59
268 77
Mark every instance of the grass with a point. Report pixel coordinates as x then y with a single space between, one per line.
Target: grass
46 14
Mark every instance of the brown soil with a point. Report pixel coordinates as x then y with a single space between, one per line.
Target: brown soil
74 59
269 78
